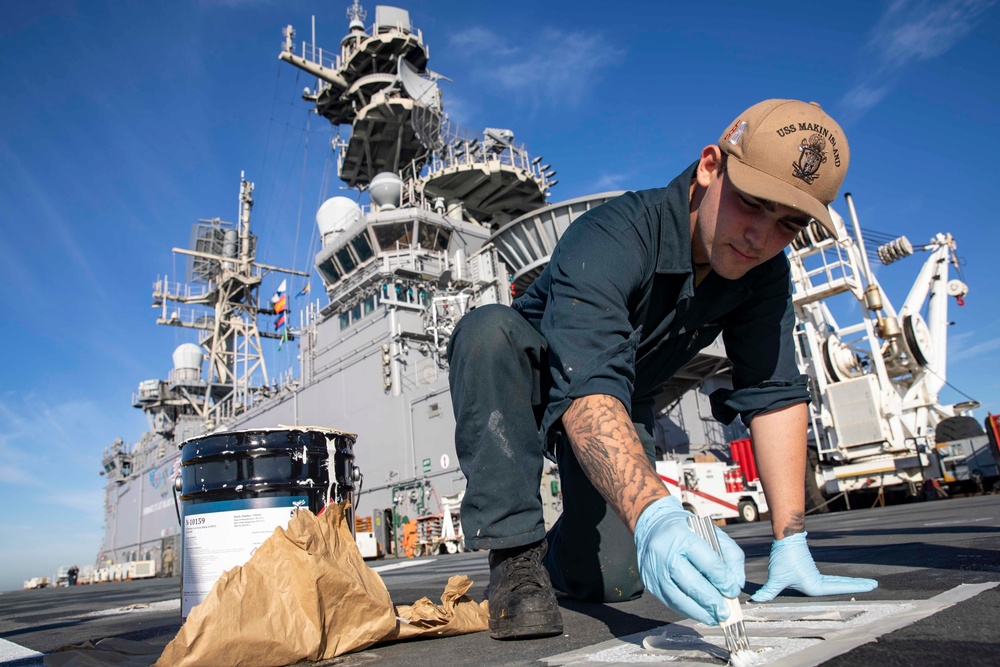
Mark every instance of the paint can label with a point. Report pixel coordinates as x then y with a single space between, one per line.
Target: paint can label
221 535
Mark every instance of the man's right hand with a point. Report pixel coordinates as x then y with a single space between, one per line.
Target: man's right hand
681 569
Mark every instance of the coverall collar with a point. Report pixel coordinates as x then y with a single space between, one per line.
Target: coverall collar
675 239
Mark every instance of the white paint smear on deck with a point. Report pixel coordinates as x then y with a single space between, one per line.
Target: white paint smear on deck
781 635
139 608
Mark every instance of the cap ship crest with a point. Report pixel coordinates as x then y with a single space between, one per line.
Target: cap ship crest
812 154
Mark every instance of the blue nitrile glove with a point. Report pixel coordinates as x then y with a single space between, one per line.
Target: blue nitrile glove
792 566
682 569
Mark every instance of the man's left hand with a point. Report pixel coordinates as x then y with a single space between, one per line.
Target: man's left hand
792 566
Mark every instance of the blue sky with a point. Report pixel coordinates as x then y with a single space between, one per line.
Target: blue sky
122 123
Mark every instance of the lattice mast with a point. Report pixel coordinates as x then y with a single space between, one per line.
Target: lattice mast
225 308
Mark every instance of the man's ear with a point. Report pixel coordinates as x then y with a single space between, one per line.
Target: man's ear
708 165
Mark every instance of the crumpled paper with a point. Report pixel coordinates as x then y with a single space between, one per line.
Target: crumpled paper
307 594
456 615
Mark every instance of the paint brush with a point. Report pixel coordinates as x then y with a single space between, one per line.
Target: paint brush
733 627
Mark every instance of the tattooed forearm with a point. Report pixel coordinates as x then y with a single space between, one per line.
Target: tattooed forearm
610 453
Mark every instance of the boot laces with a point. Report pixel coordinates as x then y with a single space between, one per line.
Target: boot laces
524 570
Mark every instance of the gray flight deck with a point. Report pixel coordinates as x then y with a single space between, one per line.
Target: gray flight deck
938 603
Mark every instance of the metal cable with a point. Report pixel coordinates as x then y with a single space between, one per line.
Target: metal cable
270 121
949 384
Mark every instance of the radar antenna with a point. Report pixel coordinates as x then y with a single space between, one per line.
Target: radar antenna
356 14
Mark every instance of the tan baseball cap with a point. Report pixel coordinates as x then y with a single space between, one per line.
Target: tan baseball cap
788 152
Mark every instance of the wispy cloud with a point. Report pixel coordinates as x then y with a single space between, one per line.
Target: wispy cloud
47 439
607 182
458 108
51 448
478 39
552 66
632 176
910 31
977 351
86 504
20 466
51 219
20 278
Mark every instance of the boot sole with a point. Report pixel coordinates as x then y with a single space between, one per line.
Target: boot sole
527 625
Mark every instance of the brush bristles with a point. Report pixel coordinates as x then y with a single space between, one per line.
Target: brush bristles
733 627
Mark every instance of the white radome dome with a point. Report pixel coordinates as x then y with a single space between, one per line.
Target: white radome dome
386 191
188 355
339 218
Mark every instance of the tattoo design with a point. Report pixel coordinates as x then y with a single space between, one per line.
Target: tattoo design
609 451
797 524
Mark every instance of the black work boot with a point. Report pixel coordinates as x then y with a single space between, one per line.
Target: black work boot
522 601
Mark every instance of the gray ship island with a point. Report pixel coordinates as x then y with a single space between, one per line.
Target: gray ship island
446 219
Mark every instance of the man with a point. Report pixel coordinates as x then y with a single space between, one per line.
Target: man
633 290
168 560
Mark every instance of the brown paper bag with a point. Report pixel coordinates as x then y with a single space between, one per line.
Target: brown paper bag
307 594
457 615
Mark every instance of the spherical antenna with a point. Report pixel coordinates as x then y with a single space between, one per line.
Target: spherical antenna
188 358
338 218
386 191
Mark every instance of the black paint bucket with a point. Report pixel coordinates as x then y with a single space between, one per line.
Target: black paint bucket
238 486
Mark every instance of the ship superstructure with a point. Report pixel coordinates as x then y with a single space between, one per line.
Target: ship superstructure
443 219
464 222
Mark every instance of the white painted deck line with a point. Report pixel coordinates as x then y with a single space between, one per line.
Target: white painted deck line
820 632
401 566
11 652
959 522
848 639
